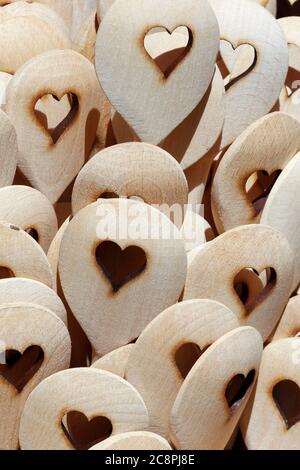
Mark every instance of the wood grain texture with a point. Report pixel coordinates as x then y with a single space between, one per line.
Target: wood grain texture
115 361
152 366
212 272
22 256
101 314
21 326
133 170
23 290
134 84
35 9
51 165
30 210
93 393
266 428
63 8
136 440
24 37
247 23
8 150
282 210
289 325
85 39
268 144
290 94
195 230
53 252
210 423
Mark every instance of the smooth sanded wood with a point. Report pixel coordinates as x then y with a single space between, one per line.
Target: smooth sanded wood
254 94
264 427
201 417
101 313
115 361
268 144
21 256
133 170
282 209
30 210
135 440
152 366
89 391
212 273
19 289
8 150
22 326
50 167
152 104
289 325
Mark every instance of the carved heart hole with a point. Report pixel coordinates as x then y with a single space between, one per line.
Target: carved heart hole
120 266
253 295
6 273
258 187
84 433
56 115
288 8
235 62
237 389
33 233
286 395
112 195
186 357
167 49
18 369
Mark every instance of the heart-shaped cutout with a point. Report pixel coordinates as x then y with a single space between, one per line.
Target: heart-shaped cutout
237 389
120 266
258 187
288 8
186 356
268 280
236 62
55 114
286 395
19 369
6 273
167 49
84 433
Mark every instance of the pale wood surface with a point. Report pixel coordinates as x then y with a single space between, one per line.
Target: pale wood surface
20 253
24 37
85 39
266 428
136 440
115 361
195 230
101 313
133 170
246 23
8 150
134 84
152 365
210 424
282 210
4 81
34 9
26 290
53 252
289 325
268 144
89 391
212 272
50 167
63 8
29 209
21 326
